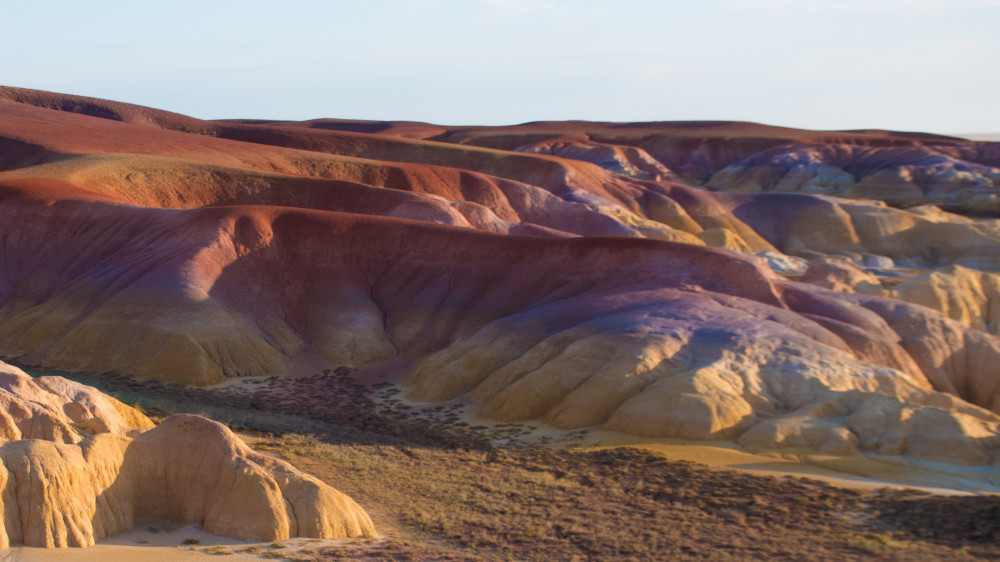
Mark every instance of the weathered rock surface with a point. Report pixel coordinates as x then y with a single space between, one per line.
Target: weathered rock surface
970 296
665 364
820 226
839 274
80 466
60 410
628 160
959 175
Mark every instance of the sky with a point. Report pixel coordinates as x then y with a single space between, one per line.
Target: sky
916 65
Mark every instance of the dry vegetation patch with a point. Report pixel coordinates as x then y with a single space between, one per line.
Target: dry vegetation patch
539 503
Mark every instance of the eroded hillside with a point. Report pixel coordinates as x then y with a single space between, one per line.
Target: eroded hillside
777 287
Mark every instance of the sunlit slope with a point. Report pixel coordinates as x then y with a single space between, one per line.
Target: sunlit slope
570 282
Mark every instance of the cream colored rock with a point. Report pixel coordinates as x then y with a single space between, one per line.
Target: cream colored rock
972 297
818 178
919 237
888 184
724 238
704 404
927 425
841 275
802 432
195 471
60 410
685 368
955 359
789 266
80 466
813 178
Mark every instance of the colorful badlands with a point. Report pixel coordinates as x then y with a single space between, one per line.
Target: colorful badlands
826 291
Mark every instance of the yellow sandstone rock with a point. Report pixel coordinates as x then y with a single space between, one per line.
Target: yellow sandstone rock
972 297
80 466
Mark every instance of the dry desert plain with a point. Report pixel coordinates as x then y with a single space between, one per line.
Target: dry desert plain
336 339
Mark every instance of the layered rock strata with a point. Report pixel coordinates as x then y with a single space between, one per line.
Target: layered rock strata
569 281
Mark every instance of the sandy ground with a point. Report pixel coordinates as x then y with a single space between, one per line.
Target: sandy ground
168 546
136 545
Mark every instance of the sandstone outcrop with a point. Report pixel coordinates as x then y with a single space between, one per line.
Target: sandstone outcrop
80 466
958 175
60 410
820 226
839 274
970 296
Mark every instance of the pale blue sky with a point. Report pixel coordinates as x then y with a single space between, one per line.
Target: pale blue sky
931 65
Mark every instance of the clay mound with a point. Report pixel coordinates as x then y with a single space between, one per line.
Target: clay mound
103 109
227 488
81 466
484 203
728 155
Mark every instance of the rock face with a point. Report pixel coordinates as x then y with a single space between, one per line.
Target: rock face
958 175
628 160
571 281
839 274
81 466
970 296
837 376
59 410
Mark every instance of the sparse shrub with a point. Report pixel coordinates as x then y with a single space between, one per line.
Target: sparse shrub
880 544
